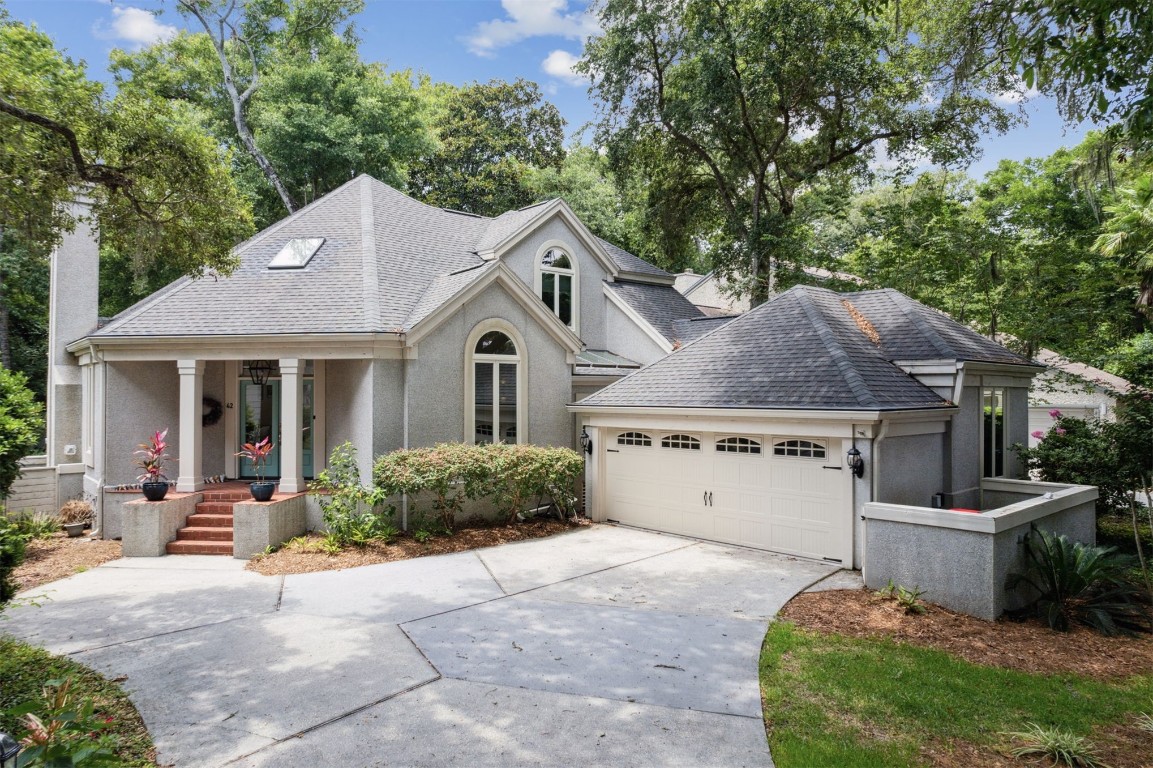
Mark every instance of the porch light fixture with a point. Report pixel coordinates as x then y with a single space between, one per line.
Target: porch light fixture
856 463
258 371
586 442
9 749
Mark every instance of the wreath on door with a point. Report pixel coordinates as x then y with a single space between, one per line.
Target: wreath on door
212 411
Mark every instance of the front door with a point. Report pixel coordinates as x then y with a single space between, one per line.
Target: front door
260 418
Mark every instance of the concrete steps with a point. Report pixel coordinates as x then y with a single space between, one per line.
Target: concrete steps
209 528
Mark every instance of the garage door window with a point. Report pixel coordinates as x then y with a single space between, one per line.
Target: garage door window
634 438
801 449
739 445
681 442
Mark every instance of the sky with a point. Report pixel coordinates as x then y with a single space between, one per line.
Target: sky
459 41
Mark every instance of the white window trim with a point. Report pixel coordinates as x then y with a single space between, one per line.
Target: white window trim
521 360
755 441
814 442
1005 443
574 272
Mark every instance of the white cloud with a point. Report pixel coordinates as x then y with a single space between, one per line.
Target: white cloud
1017 93
134 25
882 161
559 64
530 18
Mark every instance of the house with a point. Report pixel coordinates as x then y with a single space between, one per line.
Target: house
748 435
366 317
1072 388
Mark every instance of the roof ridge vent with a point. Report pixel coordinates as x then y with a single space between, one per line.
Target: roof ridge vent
863 324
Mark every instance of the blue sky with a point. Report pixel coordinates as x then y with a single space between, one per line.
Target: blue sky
458 41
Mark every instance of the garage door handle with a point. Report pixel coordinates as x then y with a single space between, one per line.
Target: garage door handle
830 467
710 498
614 450
705 498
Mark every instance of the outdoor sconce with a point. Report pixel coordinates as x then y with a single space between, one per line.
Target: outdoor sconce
9 749
258 371
586 442
856 463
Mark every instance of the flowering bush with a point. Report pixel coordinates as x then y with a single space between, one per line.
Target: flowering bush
1081 452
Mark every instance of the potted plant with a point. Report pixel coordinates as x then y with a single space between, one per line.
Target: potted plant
150 457
257 453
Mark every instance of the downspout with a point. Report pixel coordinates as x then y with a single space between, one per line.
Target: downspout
404 428
947 470
873 476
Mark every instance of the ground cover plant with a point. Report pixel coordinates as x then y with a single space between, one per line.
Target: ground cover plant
27 671
849 677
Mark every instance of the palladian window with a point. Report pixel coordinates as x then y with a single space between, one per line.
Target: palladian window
558 284
495 363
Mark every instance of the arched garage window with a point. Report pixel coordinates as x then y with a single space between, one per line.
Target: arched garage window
557 283
494 391
634 438
681 442
738 445
802 449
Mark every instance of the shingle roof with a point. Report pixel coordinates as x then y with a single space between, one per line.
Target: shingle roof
627 262
805 350
694 328
660 305
500 228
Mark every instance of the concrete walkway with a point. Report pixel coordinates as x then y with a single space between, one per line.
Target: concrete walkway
605 646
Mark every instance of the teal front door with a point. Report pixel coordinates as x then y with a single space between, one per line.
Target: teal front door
260 418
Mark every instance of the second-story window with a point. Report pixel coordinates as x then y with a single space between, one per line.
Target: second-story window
558 284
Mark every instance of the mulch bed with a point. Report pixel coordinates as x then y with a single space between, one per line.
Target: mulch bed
476 535
1029 646
59 557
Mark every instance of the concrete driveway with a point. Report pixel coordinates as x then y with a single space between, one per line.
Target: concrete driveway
605 646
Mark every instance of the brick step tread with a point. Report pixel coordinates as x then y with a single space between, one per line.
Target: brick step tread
226 496
213 533
215 507
209 520
199 548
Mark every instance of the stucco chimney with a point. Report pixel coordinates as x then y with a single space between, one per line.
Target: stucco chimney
73 307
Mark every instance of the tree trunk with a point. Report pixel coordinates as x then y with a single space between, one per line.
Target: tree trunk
5 341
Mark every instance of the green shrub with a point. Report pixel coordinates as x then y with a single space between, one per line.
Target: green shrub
512 476
20 426
1080 584
12 543
1062 747
1081 452
353 514
62 731
36 525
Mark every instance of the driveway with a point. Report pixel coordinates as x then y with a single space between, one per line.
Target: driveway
605 646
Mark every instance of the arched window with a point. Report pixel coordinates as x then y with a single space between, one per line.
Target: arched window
802 449
681 442
634 438
494 404
738 445
557 283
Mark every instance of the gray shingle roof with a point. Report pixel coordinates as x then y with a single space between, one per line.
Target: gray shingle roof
690 330
627 262
500 228
661 306
803 349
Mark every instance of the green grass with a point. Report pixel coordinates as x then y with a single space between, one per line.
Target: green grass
24 670
839 701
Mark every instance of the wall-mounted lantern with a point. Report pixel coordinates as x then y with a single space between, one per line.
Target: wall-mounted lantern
586 442
856 463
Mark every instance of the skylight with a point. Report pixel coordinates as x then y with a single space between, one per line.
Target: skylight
296 253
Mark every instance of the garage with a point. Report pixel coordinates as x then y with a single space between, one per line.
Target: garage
784 493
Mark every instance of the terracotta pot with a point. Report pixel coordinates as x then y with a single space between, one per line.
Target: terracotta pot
154 491
262 491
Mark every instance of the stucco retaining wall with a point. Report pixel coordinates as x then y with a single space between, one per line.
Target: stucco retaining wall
258 525
962 560
149 525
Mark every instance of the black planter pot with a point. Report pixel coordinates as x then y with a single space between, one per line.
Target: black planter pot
262 491
154 491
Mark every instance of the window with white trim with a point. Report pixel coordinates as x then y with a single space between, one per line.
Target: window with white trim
496 369
681 442
557 286
801 449
634 438
739 445
994 439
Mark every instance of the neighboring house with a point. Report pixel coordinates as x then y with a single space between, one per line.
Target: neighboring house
1075 389
716 298
366 317
744 435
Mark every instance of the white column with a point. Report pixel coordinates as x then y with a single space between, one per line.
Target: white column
191 431
291 407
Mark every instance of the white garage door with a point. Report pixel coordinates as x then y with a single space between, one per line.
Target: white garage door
787 494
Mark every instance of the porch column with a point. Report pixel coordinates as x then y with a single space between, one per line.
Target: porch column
291 408
191 431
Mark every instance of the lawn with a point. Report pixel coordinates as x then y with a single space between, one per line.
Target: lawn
24 670
834 700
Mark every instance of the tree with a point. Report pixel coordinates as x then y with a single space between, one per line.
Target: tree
487 136
1128 235
242 34
20 426
1094 56
761 98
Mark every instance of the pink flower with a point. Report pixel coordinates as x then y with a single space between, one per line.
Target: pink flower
1059 431
1038 434
1054 414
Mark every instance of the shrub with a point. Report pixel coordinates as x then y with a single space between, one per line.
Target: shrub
1080 584
36 525
1080 452
67 732
1061 747
12 543
513 476
354 515
20 426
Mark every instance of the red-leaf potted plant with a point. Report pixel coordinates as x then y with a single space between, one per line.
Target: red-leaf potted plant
150 457
257 453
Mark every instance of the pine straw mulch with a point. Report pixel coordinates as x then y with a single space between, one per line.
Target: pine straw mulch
296 557
59 557
1028 646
